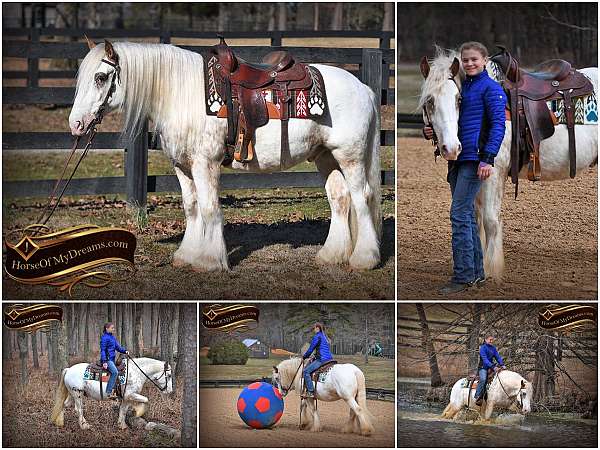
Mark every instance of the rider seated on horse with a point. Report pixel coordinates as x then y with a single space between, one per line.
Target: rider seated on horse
487 354
320 345
108 348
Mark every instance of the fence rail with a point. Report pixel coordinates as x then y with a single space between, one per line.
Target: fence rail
136 184
372 393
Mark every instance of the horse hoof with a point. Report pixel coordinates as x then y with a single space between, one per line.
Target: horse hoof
85 426
364 261
210 266
178 262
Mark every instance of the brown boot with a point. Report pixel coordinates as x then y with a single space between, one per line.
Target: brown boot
479 401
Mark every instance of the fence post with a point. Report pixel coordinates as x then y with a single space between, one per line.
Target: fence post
370 70
136 169
384 43
165 36
33 64
276 38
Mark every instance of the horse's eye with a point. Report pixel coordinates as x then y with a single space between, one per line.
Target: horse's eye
100 78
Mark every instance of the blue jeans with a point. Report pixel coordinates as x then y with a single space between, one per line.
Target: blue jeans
113 377
481 384
307 371
466 245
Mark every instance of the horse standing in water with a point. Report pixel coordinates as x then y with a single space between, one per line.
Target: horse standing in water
166 84
506 389
344 382
73 387
440 98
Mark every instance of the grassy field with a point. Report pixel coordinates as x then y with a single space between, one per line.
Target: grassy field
379 373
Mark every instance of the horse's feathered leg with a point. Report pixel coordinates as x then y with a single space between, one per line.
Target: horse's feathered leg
183 255
351 425
338 246
78 400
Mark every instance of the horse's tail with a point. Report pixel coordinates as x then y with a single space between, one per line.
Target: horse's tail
365 417
58 413
374 169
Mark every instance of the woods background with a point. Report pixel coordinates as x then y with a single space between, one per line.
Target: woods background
32 364
441 342
351 328
257 16
532 32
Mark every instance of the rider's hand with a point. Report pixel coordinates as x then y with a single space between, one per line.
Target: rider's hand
428 132
497 369
503 367
105 366
484 171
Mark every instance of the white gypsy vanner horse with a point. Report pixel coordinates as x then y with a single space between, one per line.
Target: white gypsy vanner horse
508 389
73 387
440 95
344 382
165 84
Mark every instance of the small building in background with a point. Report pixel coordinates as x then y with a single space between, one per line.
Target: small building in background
256 349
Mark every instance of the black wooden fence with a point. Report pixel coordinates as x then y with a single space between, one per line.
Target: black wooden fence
373 66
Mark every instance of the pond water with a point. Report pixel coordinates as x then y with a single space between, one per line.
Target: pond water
421 426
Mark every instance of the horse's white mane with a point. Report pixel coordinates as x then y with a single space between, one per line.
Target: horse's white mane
288 368
439 72
157 78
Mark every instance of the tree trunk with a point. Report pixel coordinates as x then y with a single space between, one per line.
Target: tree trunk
157 324
61 353
138 337
436 379
282 16
166 333
366 334
49 345
388 16
338 16
6 349
473 341
34 350
316 12
86 332
189 371
151 325
22 343
180 339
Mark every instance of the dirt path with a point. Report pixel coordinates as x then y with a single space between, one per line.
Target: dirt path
220 425
550 234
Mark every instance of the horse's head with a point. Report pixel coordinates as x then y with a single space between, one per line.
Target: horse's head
524 396
164 379
440 100
276 377
99 88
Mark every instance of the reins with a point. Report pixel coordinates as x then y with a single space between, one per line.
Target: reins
513 397
164 374
91 131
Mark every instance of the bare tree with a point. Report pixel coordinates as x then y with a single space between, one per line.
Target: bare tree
436 379
282 16
34 350
190 372
23 355
337 21
388 16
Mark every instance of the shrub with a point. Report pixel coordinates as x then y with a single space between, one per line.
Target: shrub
233 352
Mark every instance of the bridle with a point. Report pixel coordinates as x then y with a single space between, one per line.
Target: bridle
512 398
91 131
428 123
284 390
166 369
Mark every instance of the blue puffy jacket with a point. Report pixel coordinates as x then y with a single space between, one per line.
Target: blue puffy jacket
108 345
481 123
487 354
320 343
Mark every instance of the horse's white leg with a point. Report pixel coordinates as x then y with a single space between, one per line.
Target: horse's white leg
316 422
78 400
488 409
361 424
183 254
351 424
489 211
122 413
450 411
338 246
207 244
304 418
366 253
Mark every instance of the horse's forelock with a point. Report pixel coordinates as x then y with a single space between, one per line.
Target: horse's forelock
439 72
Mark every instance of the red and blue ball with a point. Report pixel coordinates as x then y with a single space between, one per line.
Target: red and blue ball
260 405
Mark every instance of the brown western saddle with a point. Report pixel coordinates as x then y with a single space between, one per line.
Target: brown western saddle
473 380
531 120
95 372
249 94
326 367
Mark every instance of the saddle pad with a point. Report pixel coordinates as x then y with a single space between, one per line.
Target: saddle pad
306 103
323 375
586 110
89 375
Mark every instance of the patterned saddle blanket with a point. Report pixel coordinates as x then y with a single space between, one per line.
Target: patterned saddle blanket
95 372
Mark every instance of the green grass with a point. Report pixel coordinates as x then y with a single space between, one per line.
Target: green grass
49 164
379 373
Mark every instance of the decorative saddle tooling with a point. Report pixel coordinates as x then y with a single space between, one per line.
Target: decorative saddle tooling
552 82
95 372
249 94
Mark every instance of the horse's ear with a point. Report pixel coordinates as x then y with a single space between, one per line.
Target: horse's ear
111 54
91 44
275 369
424 66
454 67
